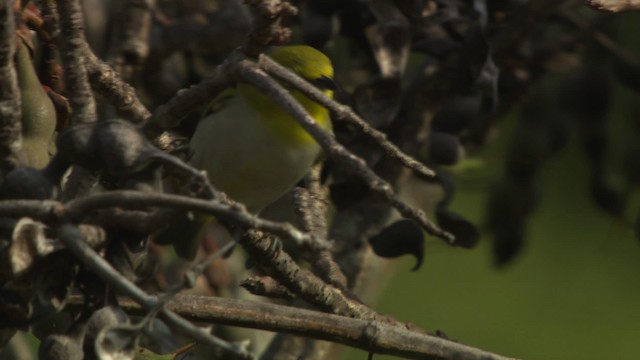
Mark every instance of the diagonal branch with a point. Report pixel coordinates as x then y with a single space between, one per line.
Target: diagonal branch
344 113
106 82
251 73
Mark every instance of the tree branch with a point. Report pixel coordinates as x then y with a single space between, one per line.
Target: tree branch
250 72
75 73
81 208
10 111
83 105
72 239
106 82
344 113
366 335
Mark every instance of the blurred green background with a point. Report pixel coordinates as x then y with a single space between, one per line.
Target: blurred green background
574 292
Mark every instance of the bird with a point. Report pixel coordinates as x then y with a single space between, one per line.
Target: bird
251 148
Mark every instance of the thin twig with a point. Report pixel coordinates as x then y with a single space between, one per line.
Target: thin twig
45 210
304 284
251 73
266 30
106 82
10 111
344 113
362 334
311 203
72 238
82 208
266 286
136 199
83 105
75 74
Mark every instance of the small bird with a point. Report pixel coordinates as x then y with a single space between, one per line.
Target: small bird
251 148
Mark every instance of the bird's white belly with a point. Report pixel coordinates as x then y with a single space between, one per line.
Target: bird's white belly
245 160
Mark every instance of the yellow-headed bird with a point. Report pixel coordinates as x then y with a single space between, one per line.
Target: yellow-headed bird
251 148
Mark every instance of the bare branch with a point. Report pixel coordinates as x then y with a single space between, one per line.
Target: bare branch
10 111
266 286
303 283
362 334
137 199
45 210
344 113
258 78
72 40
83 105
106 82
311 205
81 208
72 238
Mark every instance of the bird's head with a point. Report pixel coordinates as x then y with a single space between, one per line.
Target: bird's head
311 65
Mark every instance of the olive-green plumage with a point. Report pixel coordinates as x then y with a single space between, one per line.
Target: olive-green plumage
251 148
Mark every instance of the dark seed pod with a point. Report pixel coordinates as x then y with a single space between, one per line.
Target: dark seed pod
75 144
455 115
122 147
27 183
508 242
346 194
403 237
444 149
116 145
465 232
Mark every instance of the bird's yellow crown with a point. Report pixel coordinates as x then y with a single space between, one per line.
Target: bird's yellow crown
311 65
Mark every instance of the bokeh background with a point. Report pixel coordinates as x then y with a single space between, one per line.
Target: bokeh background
573 293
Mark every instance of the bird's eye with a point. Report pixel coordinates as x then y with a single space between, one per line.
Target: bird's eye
324 83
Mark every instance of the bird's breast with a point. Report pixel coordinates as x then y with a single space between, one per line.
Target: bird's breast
245 159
